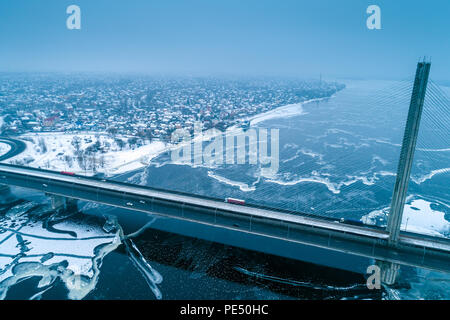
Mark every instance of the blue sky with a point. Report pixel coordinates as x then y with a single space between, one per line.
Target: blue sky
243 37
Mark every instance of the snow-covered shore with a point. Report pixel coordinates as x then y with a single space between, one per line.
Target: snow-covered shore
286 111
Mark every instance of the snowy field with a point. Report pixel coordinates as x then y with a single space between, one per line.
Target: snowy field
86 154
92 153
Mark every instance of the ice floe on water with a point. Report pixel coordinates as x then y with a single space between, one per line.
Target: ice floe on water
419 216
324 178
334 184
36 241
151 276
430 175
242 186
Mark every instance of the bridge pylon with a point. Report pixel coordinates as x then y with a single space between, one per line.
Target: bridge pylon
407 151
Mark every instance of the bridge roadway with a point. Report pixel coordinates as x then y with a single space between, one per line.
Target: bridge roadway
363 241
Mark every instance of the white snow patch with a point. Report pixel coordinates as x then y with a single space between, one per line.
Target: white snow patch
286 111
418 217
4 148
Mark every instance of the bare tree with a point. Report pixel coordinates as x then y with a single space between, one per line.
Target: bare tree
82 161
101 161
120 143
68 159
112 131
42 145
76 142
94 162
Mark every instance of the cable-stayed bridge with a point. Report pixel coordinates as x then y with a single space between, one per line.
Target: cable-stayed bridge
389 246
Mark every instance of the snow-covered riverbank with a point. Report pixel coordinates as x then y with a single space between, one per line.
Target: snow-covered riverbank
68 152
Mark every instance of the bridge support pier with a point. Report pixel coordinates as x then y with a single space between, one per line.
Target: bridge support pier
62 203
58 202
71 204
389 272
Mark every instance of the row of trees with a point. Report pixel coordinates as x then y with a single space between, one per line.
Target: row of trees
92 157
145 134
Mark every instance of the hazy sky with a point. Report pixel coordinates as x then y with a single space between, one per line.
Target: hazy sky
248 37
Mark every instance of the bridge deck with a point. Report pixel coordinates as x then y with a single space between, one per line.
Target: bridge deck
414 250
